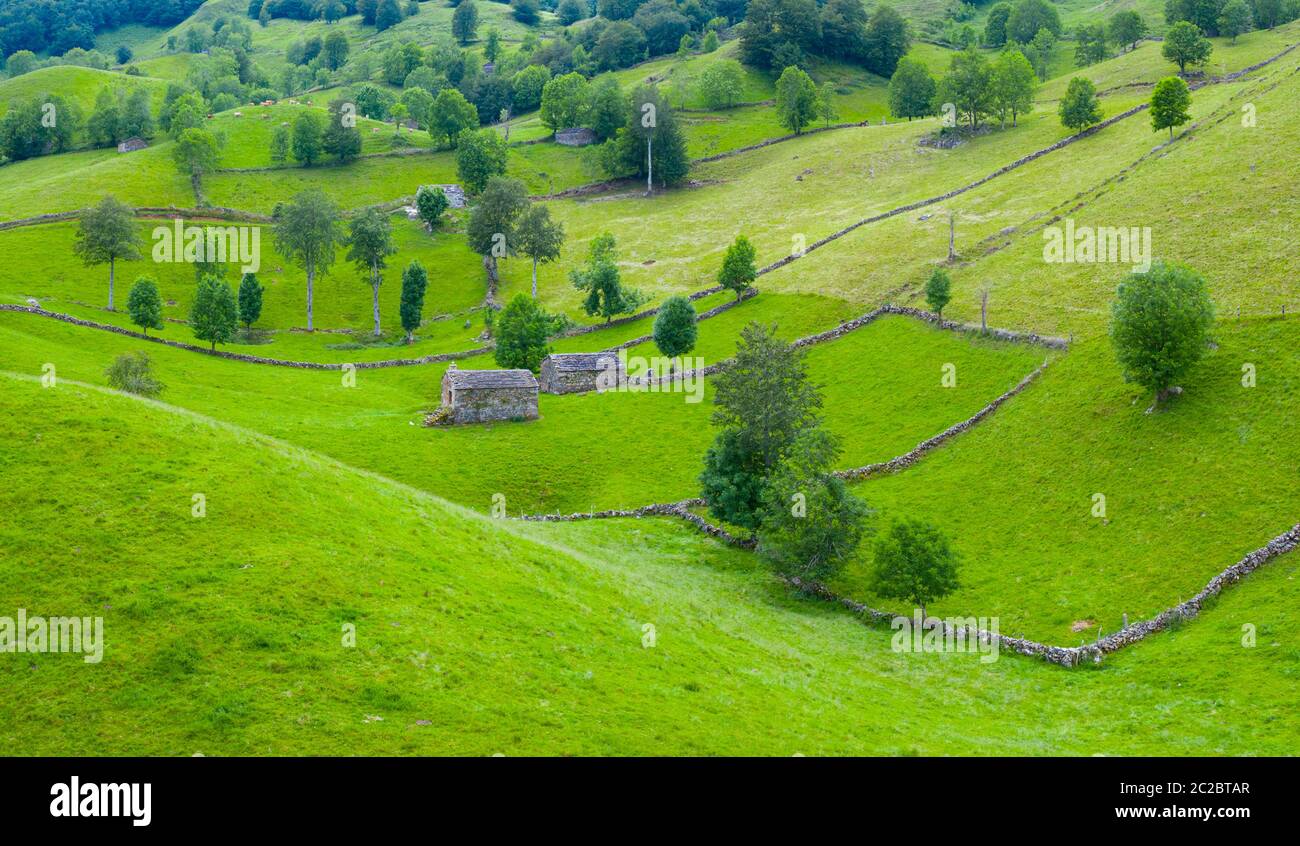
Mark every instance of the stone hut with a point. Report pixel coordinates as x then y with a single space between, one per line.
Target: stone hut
130 145
577 136
568 373
482 396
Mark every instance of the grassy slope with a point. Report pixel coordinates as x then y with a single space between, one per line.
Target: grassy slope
1188 491
884 397
76 84
474 638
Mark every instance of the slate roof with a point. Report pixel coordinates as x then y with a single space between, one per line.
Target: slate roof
582 362
479 379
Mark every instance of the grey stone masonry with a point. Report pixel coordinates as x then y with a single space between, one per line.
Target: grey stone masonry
484 396
568 373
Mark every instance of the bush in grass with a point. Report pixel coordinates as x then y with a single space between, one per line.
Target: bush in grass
430 203
133 372
144 304
738 269
521 330
938 290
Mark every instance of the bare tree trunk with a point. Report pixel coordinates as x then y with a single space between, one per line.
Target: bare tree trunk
649 165
110 285
311 274
534 278
374 287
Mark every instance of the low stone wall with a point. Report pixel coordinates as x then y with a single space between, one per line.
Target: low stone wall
621 321
249 359
680 510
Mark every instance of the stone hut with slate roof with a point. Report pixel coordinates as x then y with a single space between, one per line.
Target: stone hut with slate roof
483 396
568 373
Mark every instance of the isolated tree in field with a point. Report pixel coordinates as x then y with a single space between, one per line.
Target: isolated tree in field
564 101
674 328
1090 44
492 46
826 110
480 155
810 524
1169 104
1184 45
105 234
250 300
1013 86
451 115
430 203
341 138
599 277
214 313
1235 19
196 153
1079 108
370 243
1126 29
796 99
280 145
938 290
763 402
721 84
1028 17
411 308
738 269
968 86
995 26
464 21
914 562
1160 325
492 220
144 304
911 90
538 237
308 146
521 331
306 232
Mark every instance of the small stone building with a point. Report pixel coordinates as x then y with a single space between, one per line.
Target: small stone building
130 145
577 136
482 396
568 373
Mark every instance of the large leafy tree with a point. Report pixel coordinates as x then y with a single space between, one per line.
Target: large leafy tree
492 220
1160 325
539 238
308 143
885 41
105 234
214 313
1169 104
1079 108
196 153
414 282
968 86
26 130
480 155
1090 44
1028 17
1184 45
911 90
995 26
451 115
1013 86
674 327
844 24
341 138
564 101
721 84
914 562
651 143
1126 28
370 243
306 232
606 296
772 24
144 304
763 401
464 21
1235 19
796 99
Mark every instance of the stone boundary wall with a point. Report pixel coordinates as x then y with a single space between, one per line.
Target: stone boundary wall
205 213
621 321
249 359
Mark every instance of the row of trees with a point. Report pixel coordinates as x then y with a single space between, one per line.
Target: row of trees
976 88
781 33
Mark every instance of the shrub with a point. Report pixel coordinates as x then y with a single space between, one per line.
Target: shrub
133 372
